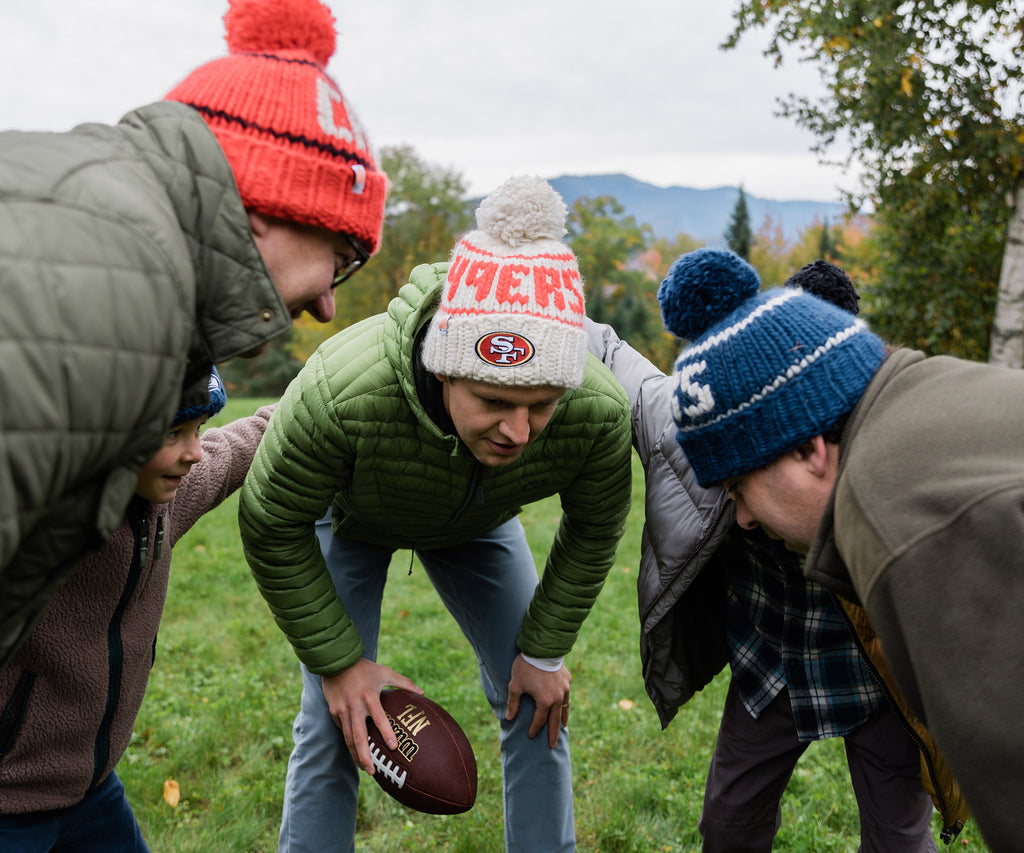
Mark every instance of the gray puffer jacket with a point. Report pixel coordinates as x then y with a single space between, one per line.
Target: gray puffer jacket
127 267
682 637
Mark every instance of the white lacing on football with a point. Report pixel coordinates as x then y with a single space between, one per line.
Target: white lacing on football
385 765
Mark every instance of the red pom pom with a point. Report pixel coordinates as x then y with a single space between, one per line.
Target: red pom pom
269 26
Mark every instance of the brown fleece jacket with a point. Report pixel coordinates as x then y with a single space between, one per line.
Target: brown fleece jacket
69 698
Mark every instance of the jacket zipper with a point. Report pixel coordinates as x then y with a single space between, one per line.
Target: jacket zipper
949 831
474 484
115 649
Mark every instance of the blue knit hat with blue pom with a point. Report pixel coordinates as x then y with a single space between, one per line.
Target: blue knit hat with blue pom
766 370
217 398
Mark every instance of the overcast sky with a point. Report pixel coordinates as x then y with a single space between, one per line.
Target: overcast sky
544 87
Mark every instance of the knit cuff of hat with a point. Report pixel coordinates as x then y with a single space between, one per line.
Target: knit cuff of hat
755 426
290 181
512 307
539 353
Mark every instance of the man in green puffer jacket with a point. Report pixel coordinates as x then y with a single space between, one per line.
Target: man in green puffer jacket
429 428
901 478
134 257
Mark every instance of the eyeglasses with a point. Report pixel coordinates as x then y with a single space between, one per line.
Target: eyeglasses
353 266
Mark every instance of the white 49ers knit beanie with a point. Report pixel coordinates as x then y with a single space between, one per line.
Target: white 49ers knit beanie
511 312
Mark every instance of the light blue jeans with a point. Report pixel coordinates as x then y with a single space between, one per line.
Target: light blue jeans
486 584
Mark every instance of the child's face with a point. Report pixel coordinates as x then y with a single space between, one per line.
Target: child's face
160 477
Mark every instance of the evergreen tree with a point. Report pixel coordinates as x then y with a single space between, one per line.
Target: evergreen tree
738 235
826 248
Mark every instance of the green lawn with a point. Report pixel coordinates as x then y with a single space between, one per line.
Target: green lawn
225 688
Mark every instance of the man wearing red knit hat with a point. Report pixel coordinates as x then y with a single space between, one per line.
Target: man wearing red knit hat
134 257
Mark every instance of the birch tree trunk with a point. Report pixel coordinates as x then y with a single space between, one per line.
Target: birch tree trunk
1007 341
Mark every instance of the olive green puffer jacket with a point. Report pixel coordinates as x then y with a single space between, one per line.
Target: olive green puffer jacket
127 266
351 433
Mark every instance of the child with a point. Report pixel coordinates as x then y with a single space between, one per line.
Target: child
69 698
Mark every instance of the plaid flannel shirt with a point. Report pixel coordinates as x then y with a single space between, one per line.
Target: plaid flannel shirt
786 631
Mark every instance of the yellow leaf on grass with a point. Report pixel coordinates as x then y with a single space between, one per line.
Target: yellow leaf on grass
836 44
905 82
172 793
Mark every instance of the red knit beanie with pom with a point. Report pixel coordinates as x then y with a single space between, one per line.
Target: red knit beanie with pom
297 149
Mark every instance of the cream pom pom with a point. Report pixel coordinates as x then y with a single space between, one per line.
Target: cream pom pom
524 209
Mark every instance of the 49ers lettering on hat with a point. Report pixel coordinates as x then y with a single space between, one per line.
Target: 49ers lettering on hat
512 309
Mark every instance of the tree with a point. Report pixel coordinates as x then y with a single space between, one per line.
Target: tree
660 346
604 240
1007 346
928 96
826 248
610 248
738 235
771 254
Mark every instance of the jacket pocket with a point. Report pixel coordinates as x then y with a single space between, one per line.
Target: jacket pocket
14 712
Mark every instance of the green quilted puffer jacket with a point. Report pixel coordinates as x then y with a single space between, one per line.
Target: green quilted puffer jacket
351 433
127 267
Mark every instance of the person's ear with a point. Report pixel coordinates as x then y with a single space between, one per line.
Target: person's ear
813 453
259 223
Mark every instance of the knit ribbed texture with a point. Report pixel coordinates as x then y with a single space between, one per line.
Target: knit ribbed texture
512 309
295 145
218 398
779 368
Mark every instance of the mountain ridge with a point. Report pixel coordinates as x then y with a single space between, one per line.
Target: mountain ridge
703 214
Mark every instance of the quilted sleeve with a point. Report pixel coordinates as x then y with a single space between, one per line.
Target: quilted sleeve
301 463
594 511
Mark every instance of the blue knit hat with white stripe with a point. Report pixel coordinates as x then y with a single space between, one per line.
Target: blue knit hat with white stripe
217 397
766 370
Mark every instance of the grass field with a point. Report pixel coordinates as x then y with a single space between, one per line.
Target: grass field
225 688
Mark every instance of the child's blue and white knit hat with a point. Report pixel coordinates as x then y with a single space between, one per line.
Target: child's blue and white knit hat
217 398
765 372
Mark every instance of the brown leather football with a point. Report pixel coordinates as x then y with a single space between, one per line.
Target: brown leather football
433 769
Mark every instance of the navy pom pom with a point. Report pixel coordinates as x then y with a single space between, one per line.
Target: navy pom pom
702 288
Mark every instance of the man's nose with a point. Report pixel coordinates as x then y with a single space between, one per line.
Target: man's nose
516 426
743 516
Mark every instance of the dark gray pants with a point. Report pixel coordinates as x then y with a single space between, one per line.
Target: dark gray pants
754 759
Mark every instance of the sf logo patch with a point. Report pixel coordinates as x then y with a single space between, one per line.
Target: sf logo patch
504 349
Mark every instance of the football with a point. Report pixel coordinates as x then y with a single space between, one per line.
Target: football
433 769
